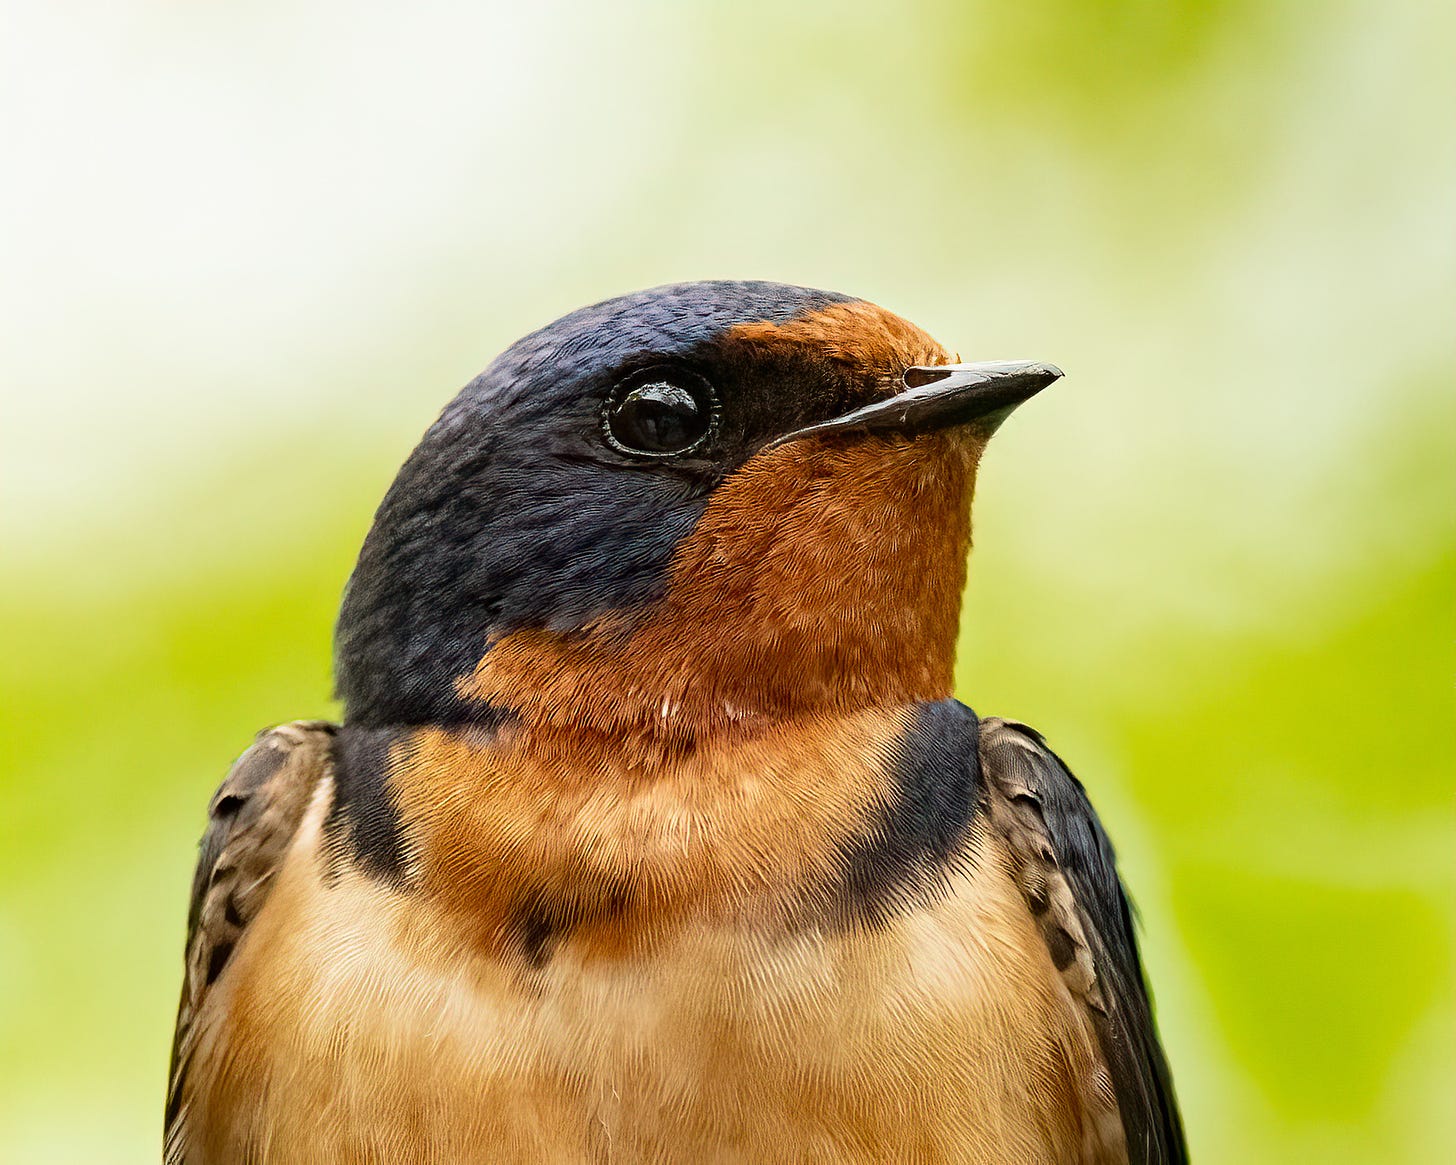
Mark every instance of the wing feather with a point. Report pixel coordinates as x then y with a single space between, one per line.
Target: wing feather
252 820
1068 872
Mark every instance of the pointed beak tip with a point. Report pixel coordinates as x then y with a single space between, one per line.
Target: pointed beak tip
1046 373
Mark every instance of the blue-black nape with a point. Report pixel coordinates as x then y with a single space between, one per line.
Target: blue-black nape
513 512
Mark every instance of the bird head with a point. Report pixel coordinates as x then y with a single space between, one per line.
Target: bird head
677 511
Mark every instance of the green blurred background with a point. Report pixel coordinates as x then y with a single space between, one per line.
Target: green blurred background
251 249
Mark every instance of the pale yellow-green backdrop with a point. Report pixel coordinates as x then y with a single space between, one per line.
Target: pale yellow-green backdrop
249 250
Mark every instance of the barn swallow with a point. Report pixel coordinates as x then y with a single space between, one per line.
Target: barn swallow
652 831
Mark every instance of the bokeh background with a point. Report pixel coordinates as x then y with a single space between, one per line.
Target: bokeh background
249 250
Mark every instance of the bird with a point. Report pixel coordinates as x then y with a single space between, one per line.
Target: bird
652 829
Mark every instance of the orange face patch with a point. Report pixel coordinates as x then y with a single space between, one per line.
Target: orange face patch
821 577
825 574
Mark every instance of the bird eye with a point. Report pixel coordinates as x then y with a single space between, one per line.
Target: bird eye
654 416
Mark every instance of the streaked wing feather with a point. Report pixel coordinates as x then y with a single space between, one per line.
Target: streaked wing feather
252 820
1066 867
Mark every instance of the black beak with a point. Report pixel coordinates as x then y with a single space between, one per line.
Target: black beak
938 396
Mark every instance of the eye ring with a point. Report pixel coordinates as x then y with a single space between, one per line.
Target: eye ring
661 412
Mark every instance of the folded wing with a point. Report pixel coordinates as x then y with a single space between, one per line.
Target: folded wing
1066 868
252 820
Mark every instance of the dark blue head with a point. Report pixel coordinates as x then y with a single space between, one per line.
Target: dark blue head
556 488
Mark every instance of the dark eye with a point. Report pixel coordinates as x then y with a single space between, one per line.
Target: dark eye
660 415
